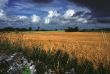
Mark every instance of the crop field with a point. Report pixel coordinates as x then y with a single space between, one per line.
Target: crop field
91 46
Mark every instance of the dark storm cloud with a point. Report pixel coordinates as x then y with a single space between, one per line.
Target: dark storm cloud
98 7
42 1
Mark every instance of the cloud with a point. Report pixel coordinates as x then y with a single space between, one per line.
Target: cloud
69 16
47 20
98 7
3 3
53 13
82 20
35 18
2 14
22 17
50 16
69 13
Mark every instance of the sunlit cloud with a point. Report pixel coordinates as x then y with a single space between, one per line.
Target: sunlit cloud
53 13
35 18
82 20
22 17
69 13
2 14
46 20
50 16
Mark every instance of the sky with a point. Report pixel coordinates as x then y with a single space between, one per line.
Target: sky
40 9
98 7
55 11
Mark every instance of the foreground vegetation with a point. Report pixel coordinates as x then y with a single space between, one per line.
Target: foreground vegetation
61 55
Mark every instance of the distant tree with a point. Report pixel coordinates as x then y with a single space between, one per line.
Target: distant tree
56 29
8 29
13 29
70 29
30 29
76 29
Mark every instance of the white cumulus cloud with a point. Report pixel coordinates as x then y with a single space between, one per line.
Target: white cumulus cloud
69 13
47 20
2 14
50 15
35 18
53 13
22 17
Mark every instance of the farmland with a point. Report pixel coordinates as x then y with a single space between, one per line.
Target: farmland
85 46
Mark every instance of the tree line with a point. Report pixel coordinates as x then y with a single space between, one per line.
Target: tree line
68 29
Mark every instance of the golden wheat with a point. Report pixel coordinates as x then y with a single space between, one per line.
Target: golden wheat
91 46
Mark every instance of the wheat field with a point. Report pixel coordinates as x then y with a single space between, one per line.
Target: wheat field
91 46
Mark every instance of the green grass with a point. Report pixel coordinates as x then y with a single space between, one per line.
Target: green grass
26 70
